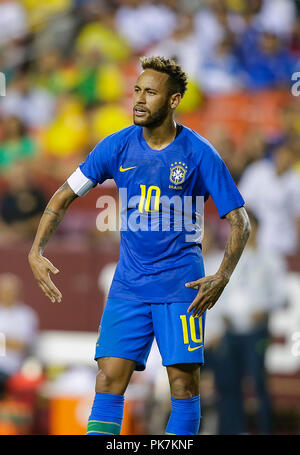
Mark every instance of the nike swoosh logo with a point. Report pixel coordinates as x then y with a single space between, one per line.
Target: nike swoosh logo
194 349
126 168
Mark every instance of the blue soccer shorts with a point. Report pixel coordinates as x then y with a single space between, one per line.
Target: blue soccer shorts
127 330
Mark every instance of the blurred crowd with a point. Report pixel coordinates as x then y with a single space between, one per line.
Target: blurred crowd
70 66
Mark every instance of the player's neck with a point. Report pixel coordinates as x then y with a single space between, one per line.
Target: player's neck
161 136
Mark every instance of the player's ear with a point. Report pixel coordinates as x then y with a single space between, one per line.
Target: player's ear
175 100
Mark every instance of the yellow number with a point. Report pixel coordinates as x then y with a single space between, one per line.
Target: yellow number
184 329
192 329
148 198
156 200
142 200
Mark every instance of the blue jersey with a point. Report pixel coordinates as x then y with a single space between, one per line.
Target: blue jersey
163 194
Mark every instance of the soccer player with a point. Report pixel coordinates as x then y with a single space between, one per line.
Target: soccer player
159 287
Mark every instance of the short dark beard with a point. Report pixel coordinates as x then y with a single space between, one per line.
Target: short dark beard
155 119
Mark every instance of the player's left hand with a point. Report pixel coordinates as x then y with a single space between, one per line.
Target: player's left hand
210 289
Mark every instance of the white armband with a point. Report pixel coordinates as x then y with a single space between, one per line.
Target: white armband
79 183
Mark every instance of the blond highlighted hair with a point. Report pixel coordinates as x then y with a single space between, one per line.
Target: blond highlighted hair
177 77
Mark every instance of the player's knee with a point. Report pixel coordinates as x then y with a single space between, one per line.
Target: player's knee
109 382
182 388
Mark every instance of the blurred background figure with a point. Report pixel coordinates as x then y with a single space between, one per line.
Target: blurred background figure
222 72
238 335
70 70
18 324
272 188
21 205
34 106
16 144
271 65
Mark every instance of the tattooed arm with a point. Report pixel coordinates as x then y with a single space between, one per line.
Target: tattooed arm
52 216
211 287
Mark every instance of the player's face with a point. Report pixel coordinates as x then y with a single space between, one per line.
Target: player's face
151 99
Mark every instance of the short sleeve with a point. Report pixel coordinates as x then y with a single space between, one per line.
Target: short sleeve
218 182
97 166
95 169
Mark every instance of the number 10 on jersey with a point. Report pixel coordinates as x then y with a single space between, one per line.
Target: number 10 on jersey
152 191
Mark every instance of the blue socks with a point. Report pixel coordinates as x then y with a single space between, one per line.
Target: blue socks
185 416
106 415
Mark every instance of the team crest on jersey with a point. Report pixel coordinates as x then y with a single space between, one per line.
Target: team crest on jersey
178 172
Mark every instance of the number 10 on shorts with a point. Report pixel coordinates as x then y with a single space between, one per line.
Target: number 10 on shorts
192 327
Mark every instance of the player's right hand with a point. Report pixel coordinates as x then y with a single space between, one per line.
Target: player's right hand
41 268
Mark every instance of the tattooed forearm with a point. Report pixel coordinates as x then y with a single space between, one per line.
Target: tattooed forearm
240 231
50 227
211 287
52 216
49 211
